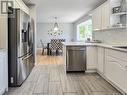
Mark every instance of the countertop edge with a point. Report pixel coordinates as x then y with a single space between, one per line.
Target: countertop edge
97 45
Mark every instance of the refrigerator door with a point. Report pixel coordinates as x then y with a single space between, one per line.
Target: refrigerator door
21 71
24 68
22 33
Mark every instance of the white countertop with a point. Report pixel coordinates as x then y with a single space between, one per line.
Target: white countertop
3 51
111 46
76 44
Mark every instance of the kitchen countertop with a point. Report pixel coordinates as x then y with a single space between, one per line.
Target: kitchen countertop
110 46
3 51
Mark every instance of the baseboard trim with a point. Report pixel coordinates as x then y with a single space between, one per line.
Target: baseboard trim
91 71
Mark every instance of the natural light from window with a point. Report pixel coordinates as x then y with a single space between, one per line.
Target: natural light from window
84 30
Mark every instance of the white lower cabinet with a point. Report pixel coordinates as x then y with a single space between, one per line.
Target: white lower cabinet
91 54
100 59
116 70
3 73
111 64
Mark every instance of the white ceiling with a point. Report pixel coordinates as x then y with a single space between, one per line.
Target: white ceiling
67 11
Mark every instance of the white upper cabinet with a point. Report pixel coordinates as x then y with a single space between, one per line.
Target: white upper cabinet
100 61
101 17
105 15
20 4
112 14
23 6
96 19
118 13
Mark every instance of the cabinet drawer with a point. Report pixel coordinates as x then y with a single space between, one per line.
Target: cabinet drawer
117 54
121 63
116 71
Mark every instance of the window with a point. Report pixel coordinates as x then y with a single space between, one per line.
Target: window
84 30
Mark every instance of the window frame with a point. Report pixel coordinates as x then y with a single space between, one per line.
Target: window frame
78 31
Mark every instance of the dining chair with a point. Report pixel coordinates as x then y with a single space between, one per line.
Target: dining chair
43 47
54 45
60 46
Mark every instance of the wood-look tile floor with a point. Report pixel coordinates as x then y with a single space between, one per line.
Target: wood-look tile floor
51 79
45 59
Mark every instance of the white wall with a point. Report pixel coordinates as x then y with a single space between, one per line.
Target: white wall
43 28
116 36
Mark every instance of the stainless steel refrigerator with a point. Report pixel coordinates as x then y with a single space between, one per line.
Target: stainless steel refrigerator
20 47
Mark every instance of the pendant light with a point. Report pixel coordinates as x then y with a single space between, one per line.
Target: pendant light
56 29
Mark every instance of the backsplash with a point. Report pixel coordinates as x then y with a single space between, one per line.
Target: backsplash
116 36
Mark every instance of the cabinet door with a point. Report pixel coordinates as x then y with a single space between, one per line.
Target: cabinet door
96 19
23 6
20 4
91 53
116 72
3 31
1 73
100 65
16 4
106 15
126 79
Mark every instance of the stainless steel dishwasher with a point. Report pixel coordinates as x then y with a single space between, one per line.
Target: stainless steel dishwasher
76 58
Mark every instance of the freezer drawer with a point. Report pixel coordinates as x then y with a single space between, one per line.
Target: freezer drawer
76 59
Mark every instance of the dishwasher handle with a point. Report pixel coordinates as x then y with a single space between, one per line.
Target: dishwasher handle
81 49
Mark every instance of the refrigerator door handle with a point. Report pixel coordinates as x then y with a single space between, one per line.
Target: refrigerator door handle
27 57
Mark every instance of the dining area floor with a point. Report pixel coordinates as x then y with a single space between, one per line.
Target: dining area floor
48 59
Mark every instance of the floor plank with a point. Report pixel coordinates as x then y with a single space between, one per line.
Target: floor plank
104 93
55 88
70 93
42 84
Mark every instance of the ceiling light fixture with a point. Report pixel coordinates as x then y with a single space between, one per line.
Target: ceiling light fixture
56 29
